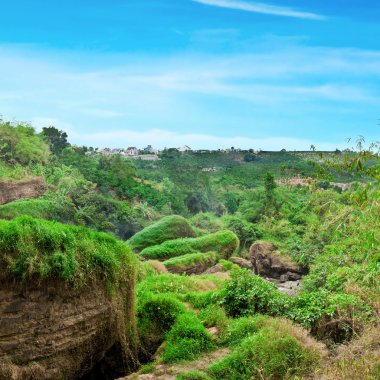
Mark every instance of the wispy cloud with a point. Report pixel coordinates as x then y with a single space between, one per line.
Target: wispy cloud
164 138
262 8
308 91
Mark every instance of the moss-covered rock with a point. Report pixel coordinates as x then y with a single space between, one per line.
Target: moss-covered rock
192 263
168 228
223 242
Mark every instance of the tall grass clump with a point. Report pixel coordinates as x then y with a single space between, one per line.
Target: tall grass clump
223 242
156 314
187 339
279 351
33 248
168 228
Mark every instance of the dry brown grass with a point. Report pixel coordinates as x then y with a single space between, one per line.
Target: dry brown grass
157 266
357 360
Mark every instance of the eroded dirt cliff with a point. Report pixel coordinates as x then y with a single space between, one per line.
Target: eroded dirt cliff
48 331
27 188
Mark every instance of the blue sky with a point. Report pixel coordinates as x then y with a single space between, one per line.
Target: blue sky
206 73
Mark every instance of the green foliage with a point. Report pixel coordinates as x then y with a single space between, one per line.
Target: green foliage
36 248
173 283
41 208
214 316
223 242
187 339
271 353
20 144
247 232
157 313
243 327
57 139
247 294
191 262
168 228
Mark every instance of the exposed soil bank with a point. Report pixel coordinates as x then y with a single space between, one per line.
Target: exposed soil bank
27 188
48 331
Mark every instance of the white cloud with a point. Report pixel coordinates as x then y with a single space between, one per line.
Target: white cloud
163 138
295 89
262 8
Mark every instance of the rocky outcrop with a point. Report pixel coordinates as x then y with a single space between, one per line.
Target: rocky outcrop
27 188
268 262
242 263
48 331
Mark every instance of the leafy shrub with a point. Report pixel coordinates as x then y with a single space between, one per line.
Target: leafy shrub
247 232
167 228
279 351
330 316
20 144
187 339
223 242
192 262
247 294
31 247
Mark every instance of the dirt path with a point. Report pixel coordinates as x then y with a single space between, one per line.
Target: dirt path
169 372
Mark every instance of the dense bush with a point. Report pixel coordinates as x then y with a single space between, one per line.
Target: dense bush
223 242
20 144
247 294
187 339
167 228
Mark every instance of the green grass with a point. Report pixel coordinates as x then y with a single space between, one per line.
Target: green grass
193 375
38 208
14 172
223 242
214 316
168 228
156 314
243 327
192 262
32 248
187 340
176 284
279 351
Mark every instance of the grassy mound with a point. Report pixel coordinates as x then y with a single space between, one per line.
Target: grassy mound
222 242
156 313
33 248
280 350
187 339
168 228
192 263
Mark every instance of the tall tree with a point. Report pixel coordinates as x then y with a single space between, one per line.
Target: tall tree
56 138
